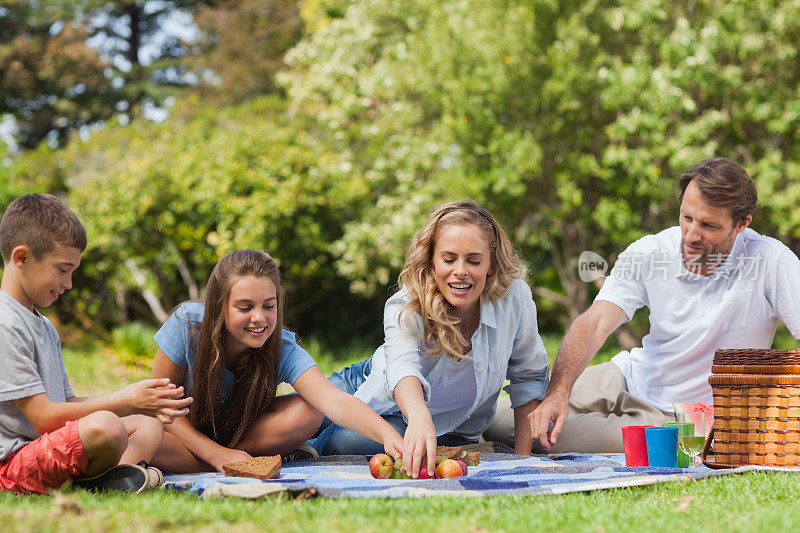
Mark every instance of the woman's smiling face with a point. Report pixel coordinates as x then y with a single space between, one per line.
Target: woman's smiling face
461 264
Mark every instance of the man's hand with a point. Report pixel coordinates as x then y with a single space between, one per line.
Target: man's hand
555 408
585 336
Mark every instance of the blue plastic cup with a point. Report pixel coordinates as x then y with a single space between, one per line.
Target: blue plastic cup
662 446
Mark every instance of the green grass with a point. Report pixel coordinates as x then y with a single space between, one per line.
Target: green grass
749 502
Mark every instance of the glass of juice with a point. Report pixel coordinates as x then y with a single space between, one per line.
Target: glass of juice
693 432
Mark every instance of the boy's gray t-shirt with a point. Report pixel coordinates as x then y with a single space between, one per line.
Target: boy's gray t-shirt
30 363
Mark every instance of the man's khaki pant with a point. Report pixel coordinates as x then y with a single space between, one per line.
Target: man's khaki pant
599 406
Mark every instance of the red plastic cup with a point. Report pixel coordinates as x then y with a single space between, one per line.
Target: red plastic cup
635 445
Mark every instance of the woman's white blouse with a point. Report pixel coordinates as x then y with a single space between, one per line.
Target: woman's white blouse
506 345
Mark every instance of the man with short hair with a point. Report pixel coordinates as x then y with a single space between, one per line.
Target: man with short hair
710 283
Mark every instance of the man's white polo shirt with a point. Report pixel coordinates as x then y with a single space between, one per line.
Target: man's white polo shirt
691 316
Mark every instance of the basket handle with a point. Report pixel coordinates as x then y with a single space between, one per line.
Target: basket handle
715 465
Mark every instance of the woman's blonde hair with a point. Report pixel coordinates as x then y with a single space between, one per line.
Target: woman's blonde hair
440 333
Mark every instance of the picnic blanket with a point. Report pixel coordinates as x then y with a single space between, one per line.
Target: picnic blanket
347 476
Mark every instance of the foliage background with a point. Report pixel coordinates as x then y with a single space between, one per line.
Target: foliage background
323 131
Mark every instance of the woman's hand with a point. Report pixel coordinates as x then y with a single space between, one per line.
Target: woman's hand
158 398
419 443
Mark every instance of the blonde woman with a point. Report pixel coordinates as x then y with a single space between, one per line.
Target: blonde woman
463 321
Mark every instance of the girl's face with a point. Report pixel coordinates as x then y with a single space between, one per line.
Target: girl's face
461 263
250 313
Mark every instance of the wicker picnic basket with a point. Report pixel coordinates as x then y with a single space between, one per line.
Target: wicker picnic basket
756 408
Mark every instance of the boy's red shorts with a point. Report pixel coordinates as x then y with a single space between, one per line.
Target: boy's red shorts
46 462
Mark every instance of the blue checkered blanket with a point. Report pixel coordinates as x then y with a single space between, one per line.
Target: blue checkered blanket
347 476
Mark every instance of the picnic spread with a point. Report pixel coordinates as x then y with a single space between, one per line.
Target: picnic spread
755 416
497 474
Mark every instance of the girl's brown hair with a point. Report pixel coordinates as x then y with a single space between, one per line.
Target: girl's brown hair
440 324
256 379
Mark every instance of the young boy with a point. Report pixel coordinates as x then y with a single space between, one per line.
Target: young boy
47 434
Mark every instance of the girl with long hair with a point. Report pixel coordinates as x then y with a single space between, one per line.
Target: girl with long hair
462 322
231 353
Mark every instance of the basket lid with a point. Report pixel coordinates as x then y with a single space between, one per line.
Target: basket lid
755 369
756 357
754 379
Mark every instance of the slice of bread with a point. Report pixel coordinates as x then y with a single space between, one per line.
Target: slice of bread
458 452
451 452
471 458
266 467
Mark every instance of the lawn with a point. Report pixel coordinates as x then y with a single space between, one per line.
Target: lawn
748 502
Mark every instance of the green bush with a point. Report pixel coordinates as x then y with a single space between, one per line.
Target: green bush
134 345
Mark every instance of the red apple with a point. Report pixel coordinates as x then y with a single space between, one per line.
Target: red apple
449 468
463 465
423 473
380 466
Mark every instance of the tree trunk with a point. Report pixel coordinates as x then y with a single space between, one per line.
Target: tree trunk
122 304
570 246
134 12
183 270
152 300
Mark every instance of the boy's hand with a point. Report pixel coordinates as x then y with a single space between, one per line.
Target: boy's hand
157 398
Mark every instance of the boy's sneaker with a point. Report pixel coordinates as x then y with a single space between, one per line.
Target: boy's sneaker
121 478
304 451
154 476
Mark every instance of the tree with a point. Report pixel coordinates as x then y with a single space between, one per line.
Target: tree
54 82
50 80
140 38
242 44
162 203
569 120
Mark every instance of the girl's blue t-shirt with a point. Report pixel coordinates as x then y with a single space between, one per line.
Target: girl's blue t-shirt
173 339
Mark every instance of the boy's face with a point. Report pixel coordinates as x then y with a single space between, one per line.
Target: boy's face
43 280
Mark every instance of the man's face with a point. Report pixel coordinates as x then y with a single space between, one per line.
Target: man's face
707 232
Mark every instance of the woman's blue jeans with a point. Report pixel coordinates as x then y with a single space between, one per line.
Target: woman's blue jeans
336 440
